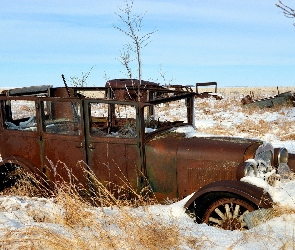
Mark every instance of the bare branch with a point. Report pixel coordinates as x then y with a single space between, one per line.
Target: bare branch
81 82
126 59
287 11
163 76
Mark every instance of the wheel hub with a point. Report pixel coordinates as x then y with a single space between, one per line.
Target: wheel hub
228 213
231 224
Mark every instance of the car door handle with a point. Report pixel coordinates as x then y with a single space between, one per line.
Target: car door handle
91 146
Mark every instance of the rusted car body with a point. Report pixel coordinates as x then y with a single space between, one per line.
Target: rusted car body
279 99
207 94
119 140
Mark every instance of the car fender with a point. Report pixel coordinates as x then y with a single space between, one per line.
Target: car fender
255 194
22 162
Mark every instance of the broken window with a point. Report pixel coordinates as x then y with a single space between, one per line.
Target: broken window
62 117
20 115
114 120
165 114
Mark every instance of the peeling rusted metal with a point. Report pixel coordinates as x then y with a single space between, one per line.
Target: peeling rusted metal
254 194
279 99
181 88
129 89
207 94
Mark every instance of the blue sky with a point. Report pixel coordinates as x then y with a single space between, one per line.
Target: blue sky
235 43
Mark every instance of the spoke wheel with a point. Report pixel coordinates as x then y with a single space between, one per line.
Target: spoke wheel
228 213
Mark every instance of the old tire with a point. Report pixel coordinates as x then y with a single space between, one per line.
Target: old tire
10 174
228 213
15 180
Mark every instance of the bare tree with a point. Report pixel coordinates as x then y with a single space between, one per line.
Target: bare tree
288 12
132 27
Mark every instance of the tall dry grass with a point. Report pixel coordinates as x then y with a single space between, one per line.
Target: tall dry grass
86 223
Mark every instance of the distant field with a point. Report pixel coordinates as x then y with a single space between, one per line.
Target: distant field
243 91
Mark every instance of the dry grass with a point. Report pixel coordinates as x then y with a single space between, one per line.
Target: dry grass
258 92
85 226
246 121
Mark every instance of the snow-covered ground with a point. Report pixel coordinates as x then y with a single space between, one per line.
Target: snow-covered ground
23 222
39 223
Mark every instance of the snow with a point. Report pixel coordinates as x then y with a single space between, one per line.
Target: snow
20 213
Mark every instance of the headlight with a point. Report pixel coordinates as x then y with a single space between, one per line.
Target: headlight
257 168
250 168
281 162
265 153
262 164
281 156
266 157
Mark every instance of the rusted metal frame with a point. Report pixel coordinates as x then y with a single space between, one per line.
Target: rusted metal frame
62 100
65 100
269 101
151 135
25 98
89 88
1 115
16 98
171 98
132 84
110 91
110 101
190 110
151 108
69 94
86 118
141 137
7 109
33 90
206 84
5 112
137 106
151 89
167 91
40 129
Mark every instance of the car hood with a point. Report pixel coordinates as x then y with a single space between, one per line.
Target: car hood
178 164
204 147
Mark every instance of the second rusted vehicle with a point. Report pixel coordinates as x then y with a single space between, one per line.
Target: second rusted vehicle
43 129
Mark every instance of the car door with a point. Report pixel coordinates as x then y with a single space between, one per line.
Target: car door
19 135
112 144
63 140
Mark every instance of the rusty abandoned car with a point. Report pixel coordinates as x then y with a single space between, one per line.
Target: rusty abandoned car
117 135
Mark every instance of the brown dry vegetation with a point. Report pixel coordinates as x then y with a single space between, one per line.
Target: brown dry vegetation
87 223
253 124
